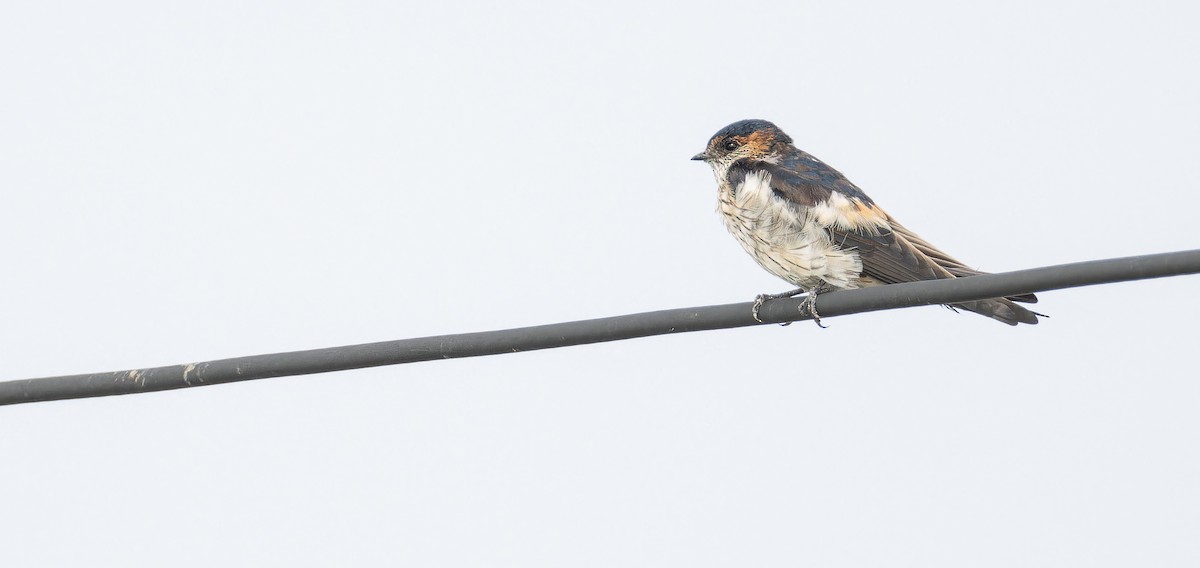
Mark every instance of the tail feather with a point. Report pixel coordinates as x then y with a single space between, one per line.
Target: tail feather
1003 310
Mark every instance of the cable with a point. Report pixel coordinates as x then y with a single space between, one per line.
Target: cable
596 330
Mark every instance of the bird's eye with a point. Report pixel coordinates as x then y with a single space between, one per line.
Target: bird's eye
730 145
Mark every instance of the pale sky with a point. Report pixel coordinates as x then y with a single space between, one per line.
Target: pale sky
190 181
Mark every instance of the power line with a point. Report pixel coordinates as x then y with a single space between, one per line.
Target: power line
597 330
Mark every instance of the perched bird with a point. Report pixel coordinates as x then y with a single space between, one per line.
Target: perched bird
804 222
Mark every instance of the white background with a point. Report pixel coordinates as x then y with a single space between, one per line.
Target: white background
185 182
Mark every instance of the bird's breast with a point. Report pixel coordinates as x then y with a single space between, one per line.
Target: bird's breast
784 238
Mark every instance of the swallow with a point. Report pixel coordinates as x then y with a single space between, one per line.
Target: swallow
804 222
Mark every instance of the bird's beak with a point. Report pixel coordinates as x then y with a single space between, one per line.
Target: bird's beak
700 156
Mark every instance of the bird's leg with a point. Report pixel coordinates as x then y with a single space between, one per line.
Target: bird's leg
758 301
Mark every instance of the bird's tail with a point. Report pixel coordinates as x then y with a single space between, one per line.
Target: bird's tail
1002 309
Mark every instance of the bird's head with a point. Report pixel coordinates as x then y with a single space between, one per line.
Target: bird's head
754 139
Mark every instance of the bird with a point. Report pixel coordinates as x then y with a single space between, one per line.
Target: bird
806 223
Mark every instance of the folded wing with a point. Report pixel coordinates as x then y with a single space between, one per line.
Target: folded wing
890 252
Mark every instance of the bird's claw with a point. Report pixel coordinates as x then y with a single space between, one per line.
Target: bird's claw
758 302
810 304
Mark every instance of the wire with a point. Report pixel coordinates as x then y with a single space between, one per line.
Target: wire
680 320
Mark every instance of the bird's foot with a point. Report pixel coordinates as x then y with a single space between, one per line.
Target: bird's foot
761 298
810 304
758 302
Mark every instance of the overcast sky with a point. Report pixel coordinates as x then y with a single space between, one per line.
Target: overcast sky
189 181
